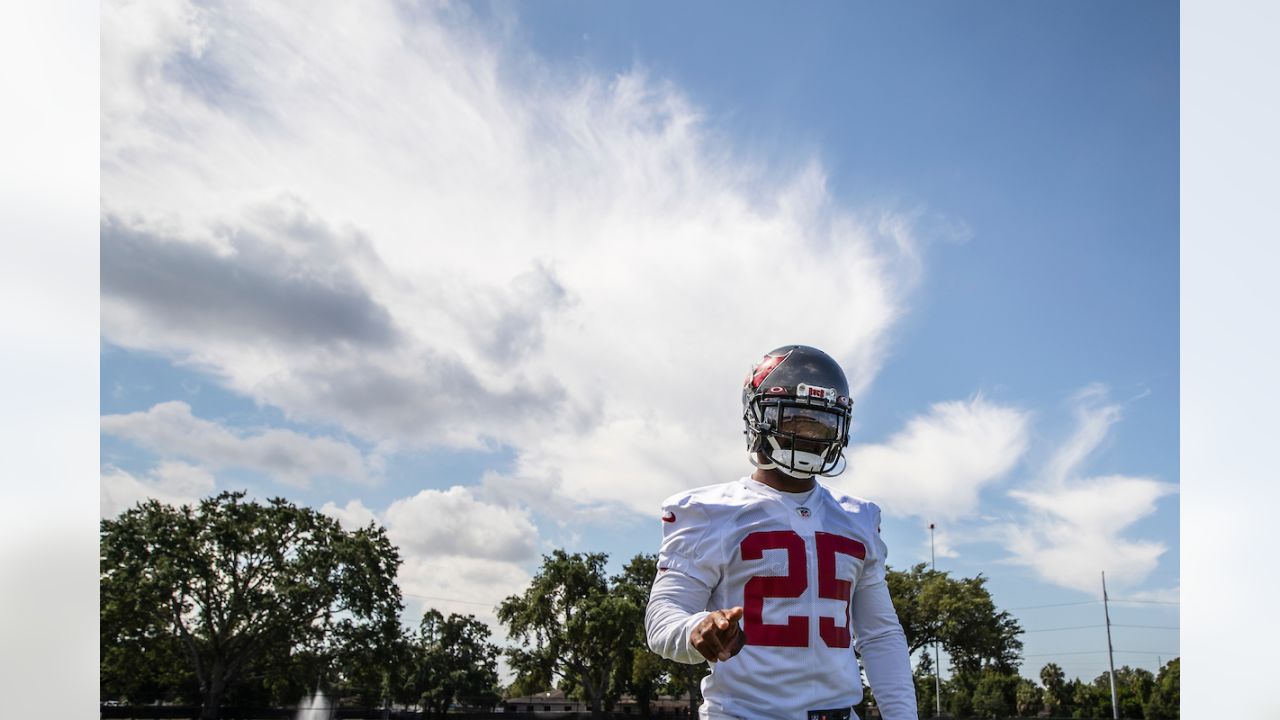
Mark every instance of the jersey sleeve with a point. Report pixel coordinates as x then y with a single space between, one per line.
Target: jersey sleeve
688 570
879 637
690 544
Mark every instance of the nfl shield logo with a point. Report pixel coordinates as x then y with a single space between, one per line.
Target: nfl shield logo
804 512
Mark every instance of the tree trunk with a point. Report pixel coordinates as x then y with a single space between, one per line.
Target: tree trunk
213 696
693 705
692 686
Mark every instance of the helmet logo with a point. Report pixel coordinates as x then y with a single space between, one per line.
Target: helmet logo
765 367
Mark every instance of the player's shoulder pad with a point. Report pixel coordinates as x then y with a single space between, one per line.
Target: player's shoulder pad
857 506
703 502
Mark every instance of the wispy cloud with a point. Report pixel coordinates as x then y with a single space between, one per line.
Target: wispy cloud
937 466
399 223
172 431
1076 525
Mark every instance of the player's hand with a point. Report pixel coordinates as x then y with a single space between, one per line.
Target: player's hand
718 636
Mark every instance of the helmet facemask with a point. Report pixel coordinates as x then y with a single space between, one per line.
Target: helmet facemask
798 436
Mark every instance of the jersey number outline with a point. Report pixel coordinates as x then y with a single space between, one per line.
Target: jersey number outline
795 631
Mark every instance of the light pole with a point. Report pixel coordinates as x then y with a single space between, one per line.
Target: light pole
937 661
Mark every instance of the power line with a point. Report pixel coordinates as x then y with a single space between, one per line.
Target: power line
1157 653
1057 605
1087 627
1076 627
1093 602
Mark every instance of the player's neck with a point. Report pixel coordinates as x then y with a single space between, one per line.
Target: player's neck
779 480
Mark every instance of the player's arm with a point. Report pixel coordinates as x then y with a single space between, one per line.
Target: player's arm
678 625
681 629
881 641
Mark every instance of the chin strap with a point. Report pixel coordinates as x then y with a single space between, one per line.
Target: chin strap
842 464
770 465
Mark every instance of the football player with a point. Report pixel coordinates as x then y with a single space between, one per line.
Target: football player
774 579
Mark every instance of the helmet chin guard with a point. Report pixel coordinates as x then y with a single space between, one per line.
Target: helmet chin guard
796 412
797 470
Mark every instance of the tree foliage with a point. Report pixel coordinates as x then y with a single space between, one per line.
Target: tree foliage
995 694
575 625
228 583
1030 698
960 615
452 661
1163 702
1057 693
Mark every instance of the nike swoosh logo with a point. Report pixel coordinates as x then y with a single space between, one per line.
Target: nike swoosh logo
668 516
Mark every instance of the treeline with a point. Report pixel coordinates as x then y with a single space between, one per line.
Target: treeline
240 604
982 642
992 693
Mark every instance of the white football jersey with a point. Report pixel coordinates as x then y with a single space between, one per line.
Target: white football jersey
808 570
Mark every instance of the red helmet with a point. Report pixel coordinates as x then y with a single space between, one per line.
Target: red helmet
796 408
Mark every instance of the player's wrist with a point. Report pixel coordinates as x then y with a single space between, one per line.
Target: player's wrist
689 626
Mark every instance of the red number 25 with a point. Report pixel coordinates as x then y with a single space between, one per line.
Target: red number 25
795 631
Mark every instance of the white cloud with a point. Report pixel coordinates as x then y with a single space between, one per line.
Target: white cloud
352 516
936 467
460 554
459 584
453 522
415 230
171 430
1075 525
173 483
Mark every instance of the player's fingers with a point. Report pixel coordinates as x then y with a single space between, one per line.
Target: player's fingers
733 614
721 621
705 641
722 630
713 647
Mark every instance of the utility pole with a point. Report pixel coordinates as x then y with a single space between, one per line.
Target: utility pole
937 661
1111 661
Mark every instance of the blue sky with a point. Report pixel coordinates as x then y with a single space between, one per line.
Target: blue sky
446 269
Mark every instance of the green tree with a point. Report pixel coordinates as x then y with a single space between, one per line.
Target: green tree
237 582
1163 703
1030 698
996 694
957 694
1057 693
374 669
574 624
926 687
957 613
1088 700
142 663
452 662
1133 687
